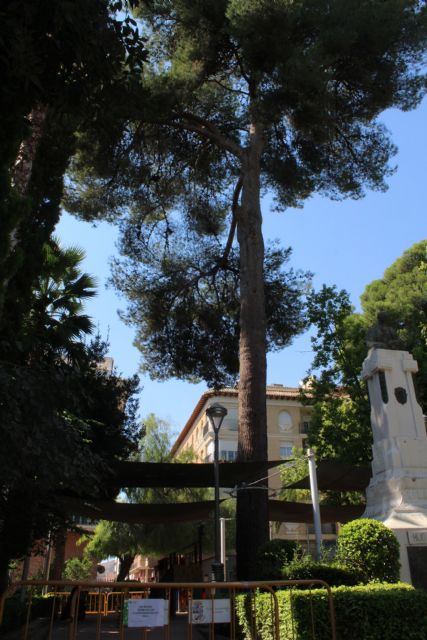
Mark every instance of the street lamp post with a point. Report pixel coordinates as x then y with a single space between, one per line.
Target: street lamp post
315 501
216 414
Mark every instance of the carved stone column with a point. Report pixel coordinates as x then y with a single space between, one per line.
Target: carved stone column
397 493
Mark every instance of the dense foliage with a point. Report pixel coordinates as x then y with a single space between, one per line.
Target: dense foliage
371 548
334 574
184 303
62 63
63 417
272 556
401 294
77 569
374 611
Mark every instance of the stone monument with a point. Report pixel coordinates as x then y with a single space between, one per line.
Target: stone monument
397 493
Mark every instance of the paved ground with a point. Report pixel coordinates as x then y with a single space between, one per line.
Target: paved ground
110 631
87 630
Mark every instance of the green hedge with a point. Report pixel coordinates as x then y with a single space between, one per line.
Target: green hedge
15 612
371 548
366 612
272 556
308 569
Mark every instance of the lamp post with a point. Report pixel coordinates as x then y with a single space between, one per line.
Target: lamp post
216 414
315 500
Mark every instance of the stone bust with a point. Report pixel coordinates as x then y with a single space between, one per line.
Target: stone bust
383 334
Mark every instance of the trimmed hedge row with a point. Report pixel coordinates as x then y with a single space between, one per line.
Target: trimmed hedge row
368 612
308 569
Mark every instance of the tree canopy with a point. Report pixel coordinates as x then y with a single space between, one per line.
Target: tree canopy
402 294
61 64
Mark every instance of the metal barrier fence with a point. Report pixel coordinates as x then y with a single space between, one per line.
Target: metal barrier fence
167 611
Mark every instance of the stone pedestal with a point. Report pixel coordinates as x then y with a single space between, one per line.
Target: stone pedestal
397 493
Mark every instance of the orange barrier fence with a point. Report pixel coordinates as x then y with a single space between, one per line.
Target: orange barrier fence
167 611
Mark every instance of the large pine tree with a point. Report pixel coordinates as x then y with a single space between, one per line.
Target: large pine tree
241 96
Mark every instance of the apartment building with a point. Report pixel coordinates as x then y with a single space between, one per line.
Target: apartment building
288 422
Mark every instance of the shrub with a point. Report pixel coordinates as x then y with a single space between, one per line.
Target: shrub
369 547
77 569
306 568
272 556
15 612
371 612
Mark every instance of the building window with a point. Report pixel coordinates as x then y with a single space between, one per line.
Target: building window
285 450
228 456
305 426
231 420
285 421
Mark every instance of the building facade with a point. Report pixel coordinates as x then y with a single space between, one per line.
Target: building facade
288 423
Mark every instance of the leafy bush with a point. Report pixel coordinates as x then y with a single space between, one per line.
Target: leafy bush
371 612
272 556
15 612
77 569
369 547
306 568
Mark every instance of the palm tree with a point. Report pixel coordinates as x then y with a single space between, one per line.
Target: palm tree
56 323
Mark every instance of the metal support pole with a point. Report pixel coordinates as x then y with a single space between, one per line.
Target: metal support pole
216 414
315 501
47 563
217 567
223 550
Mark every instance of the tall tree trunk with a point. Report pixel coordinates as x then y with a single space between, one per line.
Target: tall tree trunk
252 505
59 560
4 573
21 178
28 148
125 565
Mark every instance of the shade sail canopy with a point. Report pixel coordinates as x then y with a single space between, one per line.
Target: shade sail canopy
337 476
139 513
176 475
280 511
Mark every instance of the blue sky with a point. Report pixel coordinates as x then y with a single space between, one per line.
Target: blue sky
348 244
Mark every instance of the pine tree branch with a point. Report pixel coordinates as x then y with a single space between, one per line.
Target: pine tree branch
223 86
191 122
233 225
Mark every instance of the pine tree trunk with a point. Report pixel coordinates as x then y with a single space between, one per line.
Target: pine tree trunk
21 178
22 170
252 505
125 565
4 573
23 167
59 559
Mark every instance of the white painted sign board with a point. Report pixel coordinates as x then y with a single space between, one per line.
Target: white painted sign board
149 612
208 611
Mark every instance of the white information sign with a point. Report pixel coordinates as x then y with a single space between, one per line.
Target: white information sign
208 611
149 612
